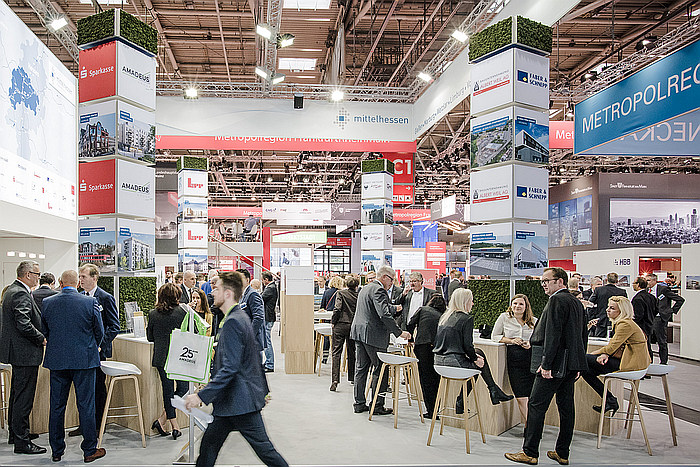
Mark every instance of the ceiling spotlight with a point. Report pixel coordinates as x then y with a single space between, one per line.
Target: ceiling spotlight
284 40
425 76
341 180
261 72
460 36
322 199
454 181
264 31
277 78
337 95
269 179
191 93
253 198
299 198
58 23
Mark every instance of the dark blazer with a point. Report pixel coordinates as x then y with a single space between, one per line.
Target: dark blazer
184 298
72 324
456 336
600 297
40 293
666 295
444 285
21 341
269 297
454 285
426 318
645 306
345 306
405 302
160 326
110 321
238 385
328 299
374 317
252 303
561 327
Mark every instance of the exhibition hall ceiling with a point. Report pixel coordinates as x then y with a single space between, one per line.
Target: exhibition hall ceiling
386 42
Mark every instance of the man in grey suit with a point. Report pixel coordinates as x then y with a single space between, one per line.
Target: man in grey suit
455 283
665 296
413 297
373 322
22 346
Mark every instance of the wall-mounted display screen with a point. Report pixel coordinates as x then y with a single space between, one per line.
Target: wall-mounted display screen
654 221
571 222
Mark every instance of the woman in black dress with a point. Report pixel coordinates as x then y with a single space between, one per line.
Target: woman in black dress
454 345
426 318
167 315
514 328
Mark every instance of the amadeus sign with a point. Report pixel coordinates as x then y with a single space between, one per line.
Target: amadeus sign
663 90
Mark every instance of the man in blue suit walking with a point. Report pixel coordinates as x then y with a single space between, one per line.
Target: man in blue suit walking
72 325
238 387
252 304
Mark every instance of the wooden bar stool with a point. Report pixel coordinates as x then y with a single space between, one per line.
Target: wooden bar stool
462 376
322 330
395 363
632 377
663 371
392 349
121 371
5 377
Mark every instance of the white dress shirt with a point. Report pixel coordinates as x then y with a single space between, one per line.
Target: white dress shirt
416 302
508 326
90 293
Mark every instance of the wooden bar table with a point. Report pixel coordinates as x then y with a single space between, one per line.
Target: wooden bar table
39 418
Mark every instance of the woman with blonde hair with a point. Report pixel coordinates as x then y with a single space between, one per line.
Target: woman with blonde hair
454 344
514 328
626 351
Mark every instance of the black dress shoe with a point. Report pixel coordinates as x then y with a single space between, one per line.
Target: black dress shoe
156 426
76 432
610 404
269 370
30 448
361 408
498 396
176 434
56 458
383 411
11 438
430 416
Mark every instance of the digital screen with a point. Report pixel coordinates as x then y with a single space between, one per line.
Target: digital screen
38 129
571 222
654 221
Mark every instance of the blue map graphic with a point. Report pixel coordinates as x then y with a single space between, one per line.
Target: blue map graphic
22 91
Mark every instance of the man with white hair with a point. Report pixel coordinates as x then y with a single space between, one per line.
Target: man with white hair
206 287
371 326
413 297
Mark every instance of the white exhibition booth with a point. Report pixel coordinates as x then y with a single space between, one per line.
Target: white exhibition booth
690 318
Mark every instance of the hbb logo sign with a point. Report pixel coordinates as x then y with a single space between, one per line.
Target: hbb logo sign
403 166
97 78
96 193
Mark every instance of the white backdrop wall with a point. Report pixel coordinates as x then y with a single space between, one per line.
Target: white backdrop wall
690 318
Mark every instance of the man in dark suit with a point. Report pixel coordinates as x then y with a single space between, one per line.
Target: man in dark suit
559 343
45 289
455 283
237 388
88 275
666 311
22 346
72 324
189 283
270 297
600 299
646 307
413 297
252 303
371 326
595 283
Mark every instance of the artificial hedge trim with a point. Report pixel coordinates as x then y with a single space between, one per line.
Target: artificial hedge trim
96 27
534 34
138 32
530 33
141 290
377 165
102 26
192 163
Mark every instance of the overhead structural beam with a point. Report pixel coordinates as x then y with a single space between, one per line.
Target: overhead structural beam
582 11
223 42
46 11
378 37
159 27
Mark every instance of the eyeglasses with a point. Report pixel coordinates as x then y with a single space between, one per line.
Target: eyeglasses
37 273
544 281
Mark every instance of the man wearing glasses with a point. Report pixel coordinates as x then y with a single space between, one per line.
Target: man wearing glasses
558 343
371 326
413 297
22 346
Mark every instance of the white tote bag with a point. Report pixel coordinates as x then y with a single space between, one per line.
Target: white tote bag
189 355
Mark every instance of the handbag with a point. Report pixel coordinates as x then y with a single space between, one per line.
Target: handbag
189 354
538 352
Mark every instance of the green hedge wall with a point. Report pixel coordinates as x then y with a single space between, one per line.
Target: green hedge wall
534 34
193 163
106 283
491 298
96 27
138 32
492 38
377 165
535 293
141 290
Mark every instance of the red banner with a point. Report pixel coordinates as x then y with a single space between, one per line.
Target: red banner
98 75
272 143
339 241
429 277
403 166
410 215
436 256
561 134
96 194
234 212
403 194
